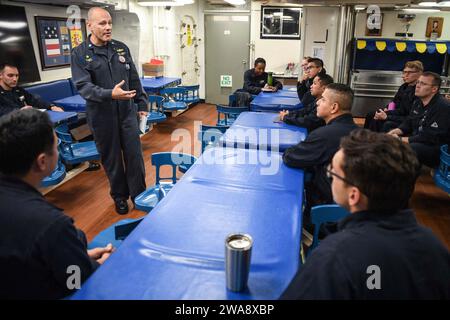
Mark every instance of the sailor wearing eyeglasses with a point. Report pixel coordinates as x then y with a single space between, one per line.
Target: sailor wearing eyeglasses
389 117
427 127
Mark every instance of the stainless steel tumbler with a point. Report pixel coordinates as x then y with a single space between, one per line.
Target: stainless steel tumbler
238 251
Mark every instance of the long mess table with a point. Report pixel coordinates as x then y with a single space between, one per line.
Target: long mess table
280 94
177 251
59 117
257 130
154 85
77 103
274 102
74 103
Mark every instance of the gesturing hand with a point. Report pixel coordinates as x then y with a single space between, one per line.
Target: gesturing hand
283 114
119 94
380 115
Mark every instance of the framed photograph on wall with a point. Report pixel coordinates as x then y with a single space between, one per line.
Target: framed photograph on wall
280 22
374 32
56 40
434 27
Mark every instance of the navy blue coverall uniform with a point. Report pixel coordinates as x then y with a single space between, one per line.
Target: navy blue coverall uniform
412 262
17 98
305 117
404 100
304 91
95 72
428 128
253 83
38 244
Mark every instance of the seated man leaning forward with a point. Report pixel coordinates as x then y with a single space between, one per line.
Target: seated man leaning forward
40 248
256 79
379 250
307 116
399 108
13 97
427 127
315 152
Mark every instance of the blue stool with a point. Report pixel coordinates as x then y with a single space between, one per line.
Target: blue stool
55 177
74 153
156 114
174 99
210 135
148 199
442 175
192 94
58 174
229 114
322 214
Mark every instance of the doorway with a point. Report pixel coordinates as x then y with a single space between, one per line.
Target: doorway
227 38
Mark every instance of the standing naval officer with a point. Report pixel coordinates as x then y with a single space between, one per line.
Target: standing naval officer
105 75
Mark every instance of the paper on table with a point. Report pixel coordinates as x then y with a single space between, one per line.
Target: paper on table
143 124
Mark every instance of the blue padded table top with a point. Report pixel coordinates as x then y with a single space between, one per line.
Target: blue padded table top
58 117
74 103
257 130
158 83
177 252
280 94
268 102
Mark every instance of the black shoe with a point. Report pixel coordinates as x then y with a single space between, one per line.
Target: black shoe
121 206
93 166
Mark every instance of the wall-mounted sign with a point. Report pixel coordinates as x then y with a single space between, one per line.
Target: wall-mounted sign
226 81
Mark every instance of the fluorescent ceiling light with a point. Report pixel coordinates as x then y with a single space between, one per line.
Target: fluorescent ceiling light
166 3
236 2
360 7
421 10
435 4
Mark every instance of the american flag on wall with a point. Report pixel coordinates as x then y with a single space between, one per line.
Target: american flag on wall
51 40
